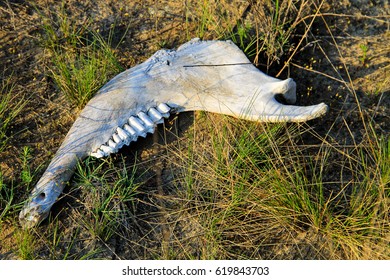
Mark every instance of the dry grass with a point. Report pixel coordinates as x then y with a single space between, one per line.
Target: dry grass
81 60
251 191
11 105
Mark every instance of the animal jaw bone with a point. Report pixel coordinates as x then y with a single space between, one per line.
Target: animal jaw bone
212 76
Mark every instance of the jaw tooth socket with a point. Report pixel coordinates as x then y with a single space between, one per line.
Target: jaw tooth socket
137 125
164 109
155 115
107 149
149 124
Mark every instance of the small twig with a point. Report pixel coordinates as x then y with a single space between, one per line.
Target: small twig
320 73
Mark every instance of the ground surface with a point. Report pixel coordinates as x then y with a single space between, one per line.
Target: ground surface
356 36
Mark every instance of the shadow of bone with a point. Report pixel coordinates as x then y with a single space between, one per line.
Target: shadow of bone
151 154
144 149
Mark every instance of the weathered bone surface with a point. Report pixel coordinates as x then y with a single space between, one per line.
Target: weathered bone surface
213 76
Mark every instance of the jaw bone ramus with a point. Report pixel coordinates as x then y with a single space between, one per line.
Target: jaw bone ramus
212 76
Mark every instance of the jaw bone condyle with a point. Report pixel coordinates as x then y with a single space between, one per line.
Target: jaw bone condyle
212 76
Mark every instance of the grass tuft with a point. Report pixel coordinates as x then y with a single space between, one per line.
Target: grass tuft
109 197
7 197
25 175
82 61
252 183
262 29
26 245
11 105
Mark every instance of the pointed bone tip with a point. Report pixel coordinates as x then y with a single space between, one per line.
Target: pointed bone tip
312 112
291 113
323 109
31 217
28 220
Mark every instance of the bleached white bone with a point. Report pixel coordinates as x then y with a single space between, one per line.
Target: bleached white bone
214 76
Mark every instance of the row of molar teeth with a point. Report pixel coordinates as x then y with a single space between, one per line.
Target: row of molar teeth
138 125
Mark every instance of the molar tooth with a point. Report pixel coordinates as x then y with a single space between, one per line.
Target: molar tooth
98 154
147 121
164 109
107 149
113 145
116 138
131 131
124 136
155 115
137 125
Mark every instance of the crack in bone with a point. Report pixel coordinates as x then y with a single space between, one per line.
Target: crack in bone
137 126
